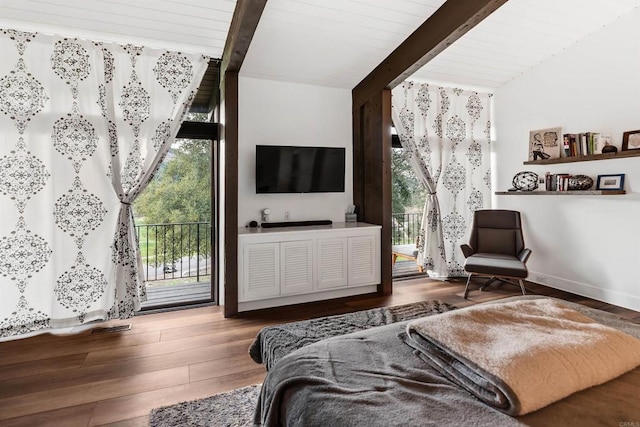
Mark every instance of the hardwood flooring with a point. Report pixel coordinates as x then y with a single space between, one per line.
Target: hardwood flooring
117 378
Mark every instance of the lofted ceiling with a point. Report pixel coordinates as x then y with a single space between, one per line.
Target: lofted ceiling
338 42
518 36
330 42
199 26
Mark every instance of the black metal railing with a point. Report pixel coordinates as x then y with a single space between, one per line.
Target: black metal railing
172 251
405 228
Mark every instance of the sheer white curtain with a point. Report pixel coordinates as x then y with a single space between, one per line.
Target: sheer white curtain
83 129
445 133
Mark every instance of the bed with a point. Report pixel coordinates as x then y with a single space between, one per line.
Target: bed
372 377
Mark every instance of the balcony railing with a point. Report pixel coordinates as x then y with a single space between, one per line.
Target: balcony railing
173 251
405 228
183 250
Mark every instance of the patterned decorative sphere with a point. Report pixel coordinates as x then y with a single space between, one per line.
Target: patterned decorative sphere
580 182
525 181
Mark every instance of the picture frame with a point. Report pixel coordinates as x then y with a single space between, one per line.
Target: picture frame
545 143
631 140
610 182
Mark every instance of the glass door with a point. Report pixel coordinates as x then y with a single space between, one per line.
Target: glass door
174 225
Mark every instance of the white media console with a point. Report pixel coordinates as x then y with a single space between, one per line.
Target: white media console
282 266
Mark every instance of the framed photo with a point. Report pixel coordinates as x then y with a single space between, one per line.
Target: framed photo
610 182
545 144
631 140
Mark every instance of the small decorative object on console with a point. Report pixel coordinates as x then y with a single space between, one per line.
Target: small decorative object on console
580 182
609 149
525 181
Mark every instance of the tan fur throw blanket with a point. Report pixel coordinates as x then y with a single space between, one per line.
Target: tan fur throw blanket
521 356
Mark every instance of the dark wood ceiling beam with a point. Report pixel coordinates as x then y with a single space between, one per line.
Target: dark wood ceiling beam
243 26
450 22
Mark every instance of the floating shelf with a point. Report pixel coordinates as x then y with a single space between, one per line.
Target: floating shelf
562 193
605 156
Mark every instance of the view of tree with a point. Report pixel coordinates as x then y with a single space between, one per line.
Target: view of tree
408 194
179 193
407 198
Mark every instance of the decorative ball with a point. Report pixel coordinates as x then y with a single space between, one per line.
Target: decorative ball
525 181
580 182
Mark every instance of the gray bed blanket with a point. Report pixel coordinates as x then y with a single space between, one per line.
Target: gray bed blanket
372 378
274 342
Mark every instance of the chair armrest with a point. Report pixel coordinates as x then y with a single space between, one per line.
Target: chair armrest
467 250
524 255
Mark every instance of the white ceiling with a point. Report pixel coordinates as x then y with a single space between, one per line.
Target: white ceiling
187 25
329 42
338 42
518 36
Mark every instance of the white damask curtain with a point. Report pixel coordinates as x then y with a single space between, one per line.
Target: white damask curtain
445 133
83 129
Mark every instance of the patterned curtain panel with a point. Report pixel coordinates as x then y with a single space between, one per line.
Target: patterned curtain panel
84 127
445 134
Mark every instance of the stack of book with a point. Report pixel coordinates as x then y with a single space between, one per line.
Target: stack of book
584 144
556 181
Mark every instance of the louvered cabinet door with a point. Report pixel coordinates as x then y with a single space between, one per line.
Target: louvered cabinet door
260 271
296 267
363 260
332 263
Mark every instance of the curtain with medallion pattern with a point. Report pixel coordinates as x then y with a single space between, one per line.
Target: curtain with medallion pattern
445 134
84 126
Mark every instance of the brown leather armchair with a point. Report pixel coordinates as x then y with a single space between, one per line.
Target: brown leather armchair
496 248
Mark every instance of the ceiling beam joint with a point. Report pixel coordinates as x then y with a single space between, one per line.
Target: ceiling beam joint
447 24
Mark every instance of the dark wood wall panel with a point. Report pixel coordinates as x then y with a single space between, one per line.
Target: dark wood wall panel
372 173
243 26
371 100
229 135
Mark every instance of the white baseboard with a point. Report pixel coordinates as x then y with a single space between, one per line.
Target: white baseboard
609 296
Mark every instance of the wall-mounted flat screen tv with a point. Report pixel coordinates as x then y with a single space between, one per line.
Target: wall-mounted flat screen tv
287 169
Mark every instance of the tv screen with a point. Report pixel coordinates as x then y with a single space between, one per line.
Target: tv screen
286 169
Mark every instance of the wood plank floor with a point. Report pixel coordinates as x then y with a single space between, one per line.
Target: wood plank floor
117 378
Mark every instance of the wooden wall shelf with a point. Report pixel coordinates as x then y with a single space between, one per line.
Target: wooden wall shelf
606 156
562 193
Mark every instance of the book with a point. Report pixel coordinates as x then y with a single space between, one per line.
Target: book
600 141
583 144
569 144
591 138
566 145
562 181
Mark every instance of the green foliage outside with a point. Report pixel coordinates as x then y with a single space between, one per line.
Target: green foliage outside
407 196
179 193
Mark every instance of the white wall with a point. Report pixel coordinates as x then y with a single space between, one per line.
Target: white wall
589 245
279 113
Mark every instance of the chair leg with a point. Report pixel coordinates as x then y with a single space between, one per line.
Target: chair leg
466 288
522 286
488 282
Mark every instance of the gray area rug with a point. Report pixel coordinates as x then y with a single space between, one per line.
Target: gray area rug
232 409
275 342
